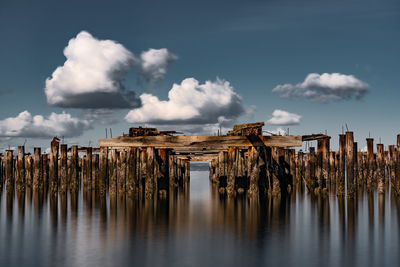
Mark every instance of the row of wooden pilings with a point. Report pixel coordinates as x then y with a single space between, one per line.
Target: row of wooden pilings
133 170
274 170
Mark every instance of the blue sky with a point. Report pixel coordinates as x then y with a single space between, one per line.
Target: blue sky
254 45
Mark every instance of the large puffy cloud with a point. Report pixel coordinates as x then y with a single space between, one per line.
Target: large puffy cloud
92 75
281 117
324 88
191 103
26 125
155 62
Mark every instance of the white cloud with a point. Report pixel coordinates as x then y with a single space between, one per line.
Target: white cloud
26 125
281 117
92 75
190 102
155 62
324 88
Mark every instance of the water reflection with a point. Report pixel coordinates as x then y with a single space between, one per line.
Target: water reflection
196 227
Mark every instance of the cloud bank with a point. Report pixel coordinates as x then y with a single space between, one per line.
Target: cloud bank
92 75
192 103
281 117
324 88
155 63
26 125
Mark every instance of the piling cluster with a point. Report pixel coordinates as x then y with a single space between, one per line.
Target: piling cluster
144 171
275 170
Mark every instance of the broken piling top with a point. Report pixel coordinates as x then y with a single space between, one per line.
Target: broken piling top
247 129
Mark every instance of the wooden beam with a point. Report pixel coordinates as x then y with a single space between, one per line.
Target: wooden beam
201 142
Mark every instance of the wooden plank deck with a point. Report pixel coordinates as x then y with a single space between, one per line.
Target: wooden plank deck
201 142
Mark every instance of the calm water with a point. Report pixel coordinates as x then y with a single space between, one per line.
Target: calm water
194 227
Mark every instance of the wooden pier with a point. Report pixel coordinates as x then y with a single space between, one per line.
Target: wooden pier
147 162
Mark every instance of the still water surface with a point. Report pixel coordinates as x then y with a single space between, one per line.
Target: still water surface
194 227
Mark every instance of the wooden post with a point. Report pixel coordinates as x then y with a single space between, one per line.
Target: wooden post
397 168
20 182
95 171
103 169
9 170
63 168
254 172
230 184
300 167
307 173
318 167
45 164
1 172
292 163
312 162
53 167
380 169
113 172
172 170
28 171
350 163
89 161
131 171
332 173
340 185
325 162
122 172
74 171
370 162
37 169
392 160
149 183
355 171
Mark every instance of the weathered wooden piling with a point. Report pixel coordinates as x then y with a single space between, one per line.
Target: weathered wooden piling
89 166
20 171
45 166
355 171
325 161
9 170
371 162
53 167
121 179
275 189
131 171
380 168
63 168
340 184
103 169
230 184
254 172
37 181
113 172
332 168
95 171
149 182
350 164
74 170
